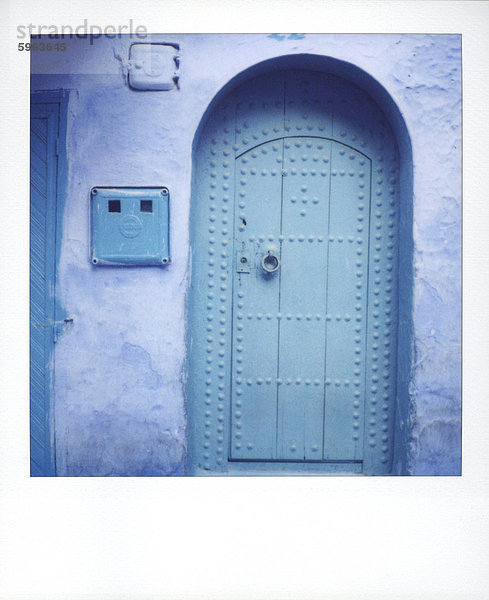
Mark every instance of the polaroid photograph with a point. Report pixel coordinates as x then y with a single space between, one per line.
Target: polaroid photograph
232 259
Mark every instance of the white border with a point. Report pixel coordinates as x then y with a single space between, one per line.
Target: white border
277 537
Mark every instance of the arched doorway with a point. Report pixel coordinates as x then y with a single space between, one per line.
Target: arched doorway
293 302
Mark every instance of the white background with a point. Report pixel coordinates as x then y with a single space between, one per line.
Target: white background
226 538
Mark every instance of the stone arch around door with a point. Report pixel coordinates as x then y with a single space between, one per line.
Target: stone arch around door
293 307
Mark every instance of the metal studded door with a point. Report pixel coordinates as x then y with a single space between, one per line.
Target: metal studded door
293 302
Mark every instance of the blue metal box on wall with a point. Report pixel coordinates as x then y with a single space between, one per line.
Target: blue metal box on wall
129 226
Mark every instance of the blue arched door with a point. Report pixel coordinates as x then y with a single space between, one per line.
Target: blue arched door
293 298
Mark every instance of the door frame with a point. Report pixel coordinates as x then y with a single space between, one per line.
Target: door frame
401 449
56 193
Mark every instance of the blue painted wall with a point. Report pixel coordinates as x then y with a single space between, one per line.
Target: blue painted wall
120 366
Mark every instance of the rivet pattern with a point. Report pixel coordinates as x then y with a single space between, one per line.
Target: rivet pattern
281 130
382 312
256 225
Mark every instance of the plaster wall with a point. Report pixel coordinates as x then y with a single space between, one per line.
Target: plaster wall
120 366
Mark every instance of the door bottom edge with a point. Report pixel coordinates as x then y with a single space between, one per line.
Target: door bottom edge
284 469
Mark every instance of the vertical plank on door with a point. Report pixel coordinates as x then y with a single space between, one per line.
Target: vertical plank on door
303 297
347 303
255 305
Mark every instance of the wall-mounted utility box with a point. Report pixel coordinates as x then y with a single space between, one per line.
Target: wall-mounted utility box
129 226
153 66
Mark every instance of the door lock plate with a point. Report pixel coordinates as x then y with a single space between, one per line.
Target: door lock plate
242 261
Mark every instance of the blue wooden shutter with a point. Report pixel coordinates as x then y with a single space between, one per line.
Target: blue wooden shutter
43 185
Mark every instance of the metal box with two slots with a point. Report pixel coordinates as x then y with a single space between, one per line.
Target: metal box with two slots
129 226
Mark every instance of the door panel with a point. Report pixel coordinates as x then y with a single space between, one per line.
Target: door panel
306 189
310 364
347 302
299 332
256 303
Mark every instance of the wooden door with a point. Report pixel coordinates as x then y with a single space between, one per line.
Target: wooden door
293 304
